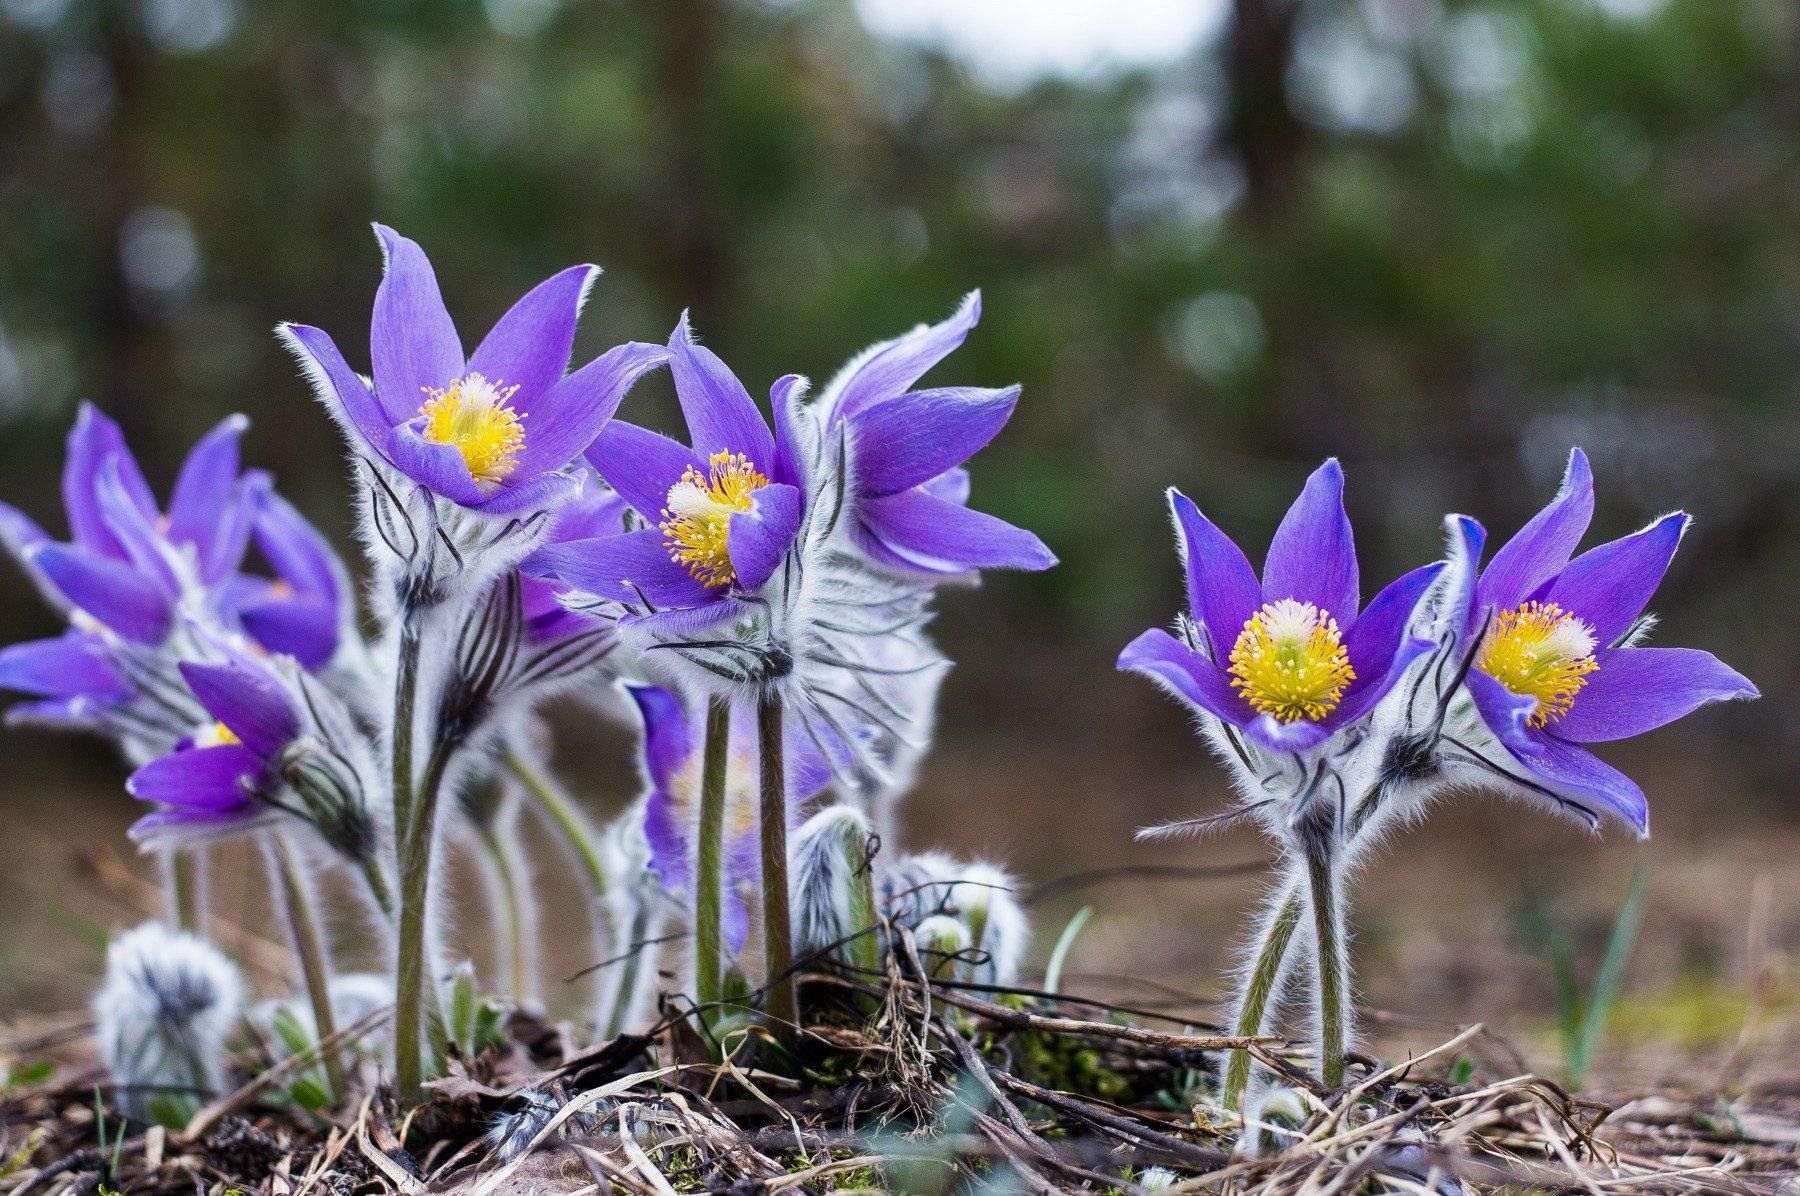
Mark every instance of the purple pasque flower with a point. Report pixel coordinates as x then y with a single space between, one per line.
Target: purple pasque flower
71 681
673 745
598 512
1287 660
1552 645
491 431
723 513
218 781
307 609
909 493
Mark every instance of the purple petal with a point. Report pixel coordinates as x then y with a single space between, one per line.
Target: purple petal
207 780
1187 675
1505 713
928 535
19 535
632 568
300 555
1313 555
670 742
135 532
1640 689
599 511
1222 589
305 628
908 440
676 623
110 590
1543 546
1609 586
1577 772
1375 646
412 341
545 492
175 825
951 487
1297 736
890 368
1466 538
784 403
70 666
563 421
721 415
247 699
641 465
224 554
92 442
530 345
439 468
206 485
346 397
760 538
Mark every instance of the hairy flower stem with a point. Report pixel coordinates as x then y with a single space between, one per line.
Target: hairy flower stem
185 889
562 814
783 1004
1319 842
513 935
309 944
406 690
1259 989
411 991
709 973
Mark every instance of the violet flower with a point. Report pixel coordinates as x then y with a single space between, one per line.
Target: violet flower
909 492
1288 661
597 513
492 431
307 609
1555 662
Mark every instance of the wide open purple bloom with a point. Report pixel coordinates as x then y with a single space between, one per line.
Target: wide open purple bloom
1556 666
216 781
673 744
909 491
491 431
723 513
1287 659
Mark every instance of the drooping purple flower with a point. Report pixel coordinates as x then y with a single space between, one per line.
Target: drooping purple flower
491 431
1289 660
673 745
217 781
723 513
909 492
1553 649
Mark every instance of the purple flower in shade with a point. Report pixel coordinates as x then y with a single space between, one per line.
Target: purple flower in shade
673 744
71 679
219 780
491 432
1555 664
306 609
596 514
723 513
909 492
1287 660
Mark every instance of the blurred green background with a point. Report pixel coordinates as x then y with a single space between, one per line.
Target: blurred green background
1218 240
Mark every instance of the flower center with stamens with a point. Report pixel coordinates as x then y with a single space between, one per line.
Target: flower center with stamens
472 416
696 524
1289 662
217 735
1539 651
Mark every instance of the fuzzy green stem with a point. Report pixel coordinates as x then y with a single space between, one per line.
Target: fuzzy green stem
309 944
563 815
1331 977
1259 989
709 975
186 904
411 991
778 932
380 891
510 915
406 689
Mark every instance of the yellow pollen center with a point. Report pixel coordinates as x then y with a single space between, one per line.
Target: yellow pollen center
1289 662
1539 651
472 415
217 735
696 525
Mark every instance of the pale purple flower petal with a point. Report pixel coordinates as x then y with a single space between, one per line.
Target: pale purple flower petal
110 590
1312 557
412 340
910 439
1223 592
921 533
530 345
891 368
1609 586
721 415
440 468
563 421
248 700
1640 689
633 568
1543 546
760 537
1578 773
347 398
641 465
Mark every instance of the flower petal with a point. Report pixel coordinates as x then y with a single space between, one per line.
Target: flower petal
440 468
564 420
905 441
307 629
92 442
112 591
760 538
247 699
785 406
530 345
920 533
300 555
544 492
1505 714
136 533
1312 557
632 568
1579 773
721 415
1222 589
205 486
890 368
641 465
1640 689
1377 646
670 743
1543 546
346 397
70 666
1187 675
207 780
412 342
1609 586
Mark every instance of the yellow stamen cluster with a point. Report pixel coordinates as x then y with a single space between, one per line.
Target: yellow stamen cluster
1289 662
696 525
1539 651
472 415
217 735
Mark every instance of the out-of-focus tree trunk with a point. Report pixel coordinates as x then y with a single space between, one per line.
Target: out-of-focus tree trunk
687 32
1260 127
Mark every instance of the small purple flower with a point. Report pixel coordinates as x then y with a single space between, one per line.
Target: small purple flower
673 745
216 782
909 490
1288 660
306 609
492 431
1557 665
724 513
